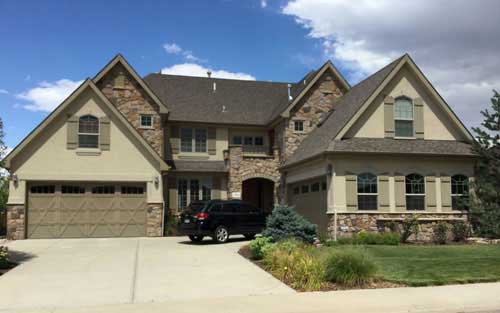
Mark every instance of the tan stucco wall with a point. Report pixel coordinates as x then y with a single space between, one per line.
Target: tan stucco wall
47 158
221 137
390 166
437 124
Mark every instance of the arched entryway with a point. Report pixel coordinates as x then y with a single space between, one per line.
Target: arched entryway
259 192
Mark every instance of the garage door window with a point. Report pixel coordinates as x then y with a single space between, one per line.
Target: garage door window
132 190
42 189
103 190
71 189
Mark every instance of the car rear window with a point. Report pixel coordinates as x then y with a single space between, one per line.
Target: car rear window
195 207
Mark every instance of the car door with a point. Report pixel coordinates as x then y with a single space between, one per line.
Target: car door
230 217
252 220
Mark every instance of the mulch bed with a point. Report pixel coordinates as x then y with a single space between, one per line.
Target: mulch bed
245 252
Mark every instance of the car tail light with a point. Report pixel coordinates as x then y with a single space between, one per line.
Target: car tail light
201 216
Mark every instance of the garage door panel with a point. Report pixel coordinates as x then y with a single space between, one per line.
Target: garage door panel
85 214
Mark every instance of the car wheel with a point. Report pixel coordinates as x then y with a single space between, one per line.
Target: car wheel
249 236
221 234
196 238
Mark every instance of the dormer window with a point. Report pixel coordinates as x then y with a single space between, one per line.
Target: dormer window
146 121
403 117
88 132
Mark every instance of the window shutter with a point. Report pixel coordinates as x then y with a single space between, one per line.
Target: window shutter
72 132
174 139
389 117
400 192
211 140
104 133
351 191
430 192
446 193
419 118
216 186
383 192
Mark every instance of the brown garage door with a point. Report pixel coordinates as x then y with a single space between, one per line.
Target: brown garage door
78 210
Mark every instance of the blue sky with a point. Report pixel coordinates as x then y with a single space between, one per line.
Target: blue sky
47 47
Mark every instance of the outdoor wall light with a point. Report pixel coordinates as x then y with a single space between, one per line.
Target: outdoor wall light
15 179
157 181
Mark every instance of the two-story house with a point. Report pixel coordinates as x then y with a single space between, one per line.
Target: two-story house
123 151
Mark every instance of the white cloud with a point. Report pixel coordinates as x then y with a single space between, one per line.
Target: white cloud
3 91
263 3
454 42
191 69
46 96
172 48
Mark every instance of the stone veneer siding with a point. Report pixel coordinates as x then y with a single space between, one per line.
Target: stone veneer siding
15 221
352 223
243 167
154 220
132 101
311 108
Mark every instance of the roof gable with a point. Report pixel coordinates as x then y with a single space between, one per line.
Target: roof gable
120 59
87 84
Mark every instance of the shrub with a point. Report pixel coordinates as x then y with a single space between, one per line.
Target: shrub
285 223
409 226
366 238
171 225
4 257
440 233
460 231
350 268
259 246
293 262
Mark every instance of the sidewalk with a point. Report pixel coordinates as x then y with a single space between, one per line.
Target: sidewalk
455 298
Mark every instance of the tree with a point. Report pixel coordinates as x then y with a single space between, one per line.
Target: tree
2 144
485 200
4 182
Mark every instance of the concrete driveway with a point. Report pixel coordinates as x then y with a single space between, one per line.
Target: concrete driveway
82 272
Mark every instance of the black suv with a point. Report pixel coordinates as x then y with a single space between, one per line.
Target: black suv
219 219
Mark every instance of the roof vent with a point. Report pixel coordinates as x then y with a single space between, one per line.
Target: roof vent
209 74
215 87
304 81
224 108
289 92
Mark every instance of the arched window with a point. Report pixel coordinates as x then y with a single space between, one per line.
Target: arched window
415 192
459 192
403 117
367 192
88 132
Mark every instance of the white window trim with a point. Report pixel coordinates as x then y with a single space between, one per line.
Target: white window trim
193 140
303 127
367 193
98 134
405 119
145 126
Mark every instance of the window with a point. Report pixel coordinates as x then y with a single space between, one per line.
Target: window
403 117
69 189
315 187
88 132
193 140
305 188
415 192
248 141
296 190
323 185
146 121
132 190
103 190
298 126
189 190
43 189
259 141
237 140
460 192
367 192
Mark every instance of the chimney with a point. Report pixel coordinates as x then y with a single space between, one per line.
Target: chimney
209 74
289 92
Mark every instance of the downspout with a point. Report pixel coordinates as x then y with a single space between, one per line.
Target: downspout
330 174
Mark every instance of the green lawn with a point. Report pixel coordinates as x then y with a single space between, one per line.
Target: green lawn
435 265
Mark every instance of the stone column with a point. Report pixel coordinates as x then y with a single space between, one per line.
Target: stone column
154 220
235 177
16 222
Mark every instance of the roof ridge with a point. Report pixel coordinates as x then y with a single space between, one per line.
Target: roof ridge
219 78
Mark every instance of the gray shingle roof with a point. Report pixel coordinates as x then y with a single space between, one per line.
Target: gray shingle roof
318 140
192 99
198 166
401 146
